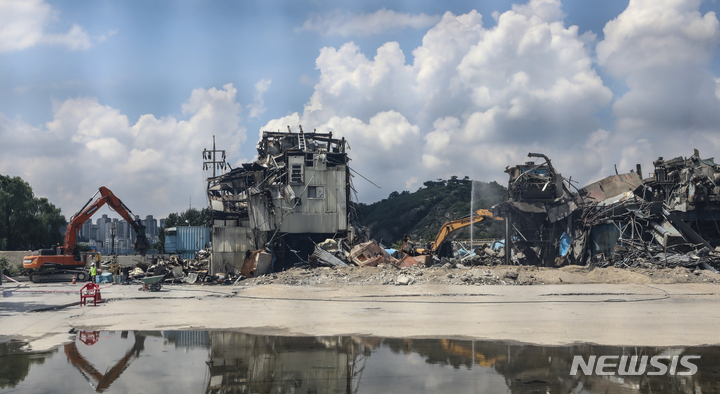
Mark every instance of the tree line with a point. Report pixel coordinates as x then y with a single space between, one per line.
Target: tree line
420 214
27 222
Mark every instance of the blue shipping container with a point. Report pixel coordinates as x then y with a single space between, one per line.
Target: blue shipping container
170 240
191 239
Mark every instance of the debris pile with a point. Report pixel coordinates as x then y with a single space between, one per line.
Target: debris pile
636 230
337 253
486 254
174 269
622 220
275 210
454 272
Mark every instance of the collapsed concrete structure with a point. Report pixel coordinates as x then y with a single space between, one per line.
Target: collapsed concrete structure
294 195
668 219
690 188
536 210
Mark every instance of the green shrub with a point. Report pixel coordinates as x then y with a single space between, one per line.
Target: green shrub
7 268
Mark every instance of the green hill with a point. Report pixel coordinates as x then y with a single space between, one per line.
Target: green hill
420 214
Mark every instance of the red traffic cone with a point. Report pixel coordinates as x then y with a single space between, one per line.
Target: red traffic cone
74 282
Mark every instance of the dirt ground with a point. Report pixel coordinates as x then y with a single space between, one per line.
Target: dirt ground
634 314
480 275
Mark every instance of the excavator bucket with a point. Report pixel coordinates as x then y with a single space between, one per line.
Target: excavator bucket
142 245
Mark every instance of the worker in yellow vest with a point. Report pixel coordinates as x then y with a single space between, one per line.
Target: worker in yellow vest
93 272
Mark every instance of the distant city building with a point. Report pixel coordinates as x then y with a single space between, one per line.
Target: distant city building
102 227
122 229
99 235
151 227
86 230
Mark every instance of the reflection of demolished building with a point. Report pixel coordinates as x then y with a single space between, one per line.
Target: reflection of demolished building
244 363
297 191
667 219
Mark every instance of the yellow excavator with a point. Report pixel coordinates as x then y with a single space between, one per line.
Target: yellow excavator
449 228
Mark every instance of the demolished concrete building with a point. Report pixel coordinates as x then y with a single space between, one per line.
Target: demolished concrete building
294 195
690 188
536 210
621 220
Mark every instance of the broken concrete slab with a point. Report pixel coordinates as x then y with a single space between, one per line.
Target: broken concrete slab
257 263
369 254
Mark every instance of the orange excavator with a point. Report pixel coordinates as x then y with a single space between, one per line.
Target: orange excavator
449 228
66 259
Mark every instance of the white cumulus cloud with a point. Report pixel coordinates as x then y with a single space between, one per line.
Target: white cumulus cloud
154 165
23 24
662 50
470 101
474 99
257 108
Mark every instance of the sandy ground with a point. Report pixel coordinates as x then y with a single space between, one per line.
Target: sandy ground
631 308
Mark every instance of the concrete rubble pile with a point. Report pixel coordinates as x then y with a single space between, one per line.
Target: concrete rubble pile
667 220
335 253
175 269
486 254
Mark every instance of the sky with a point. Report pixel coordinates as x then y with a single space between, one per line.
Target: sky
127 94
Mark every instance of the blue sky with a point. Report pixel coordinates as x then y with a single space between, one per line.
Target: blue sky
126 94
156 53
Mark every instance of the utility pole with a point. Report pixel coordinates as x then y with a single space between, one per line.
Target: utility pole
210 159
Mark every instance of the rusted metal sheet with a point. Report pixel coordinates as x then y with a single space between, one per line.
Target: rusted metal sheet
611 186
414 261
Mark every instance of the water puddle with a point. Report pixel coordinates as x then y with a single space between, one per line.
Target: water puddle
231 362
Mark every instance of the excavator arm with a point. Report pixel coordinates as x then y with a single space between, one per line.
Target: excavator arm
452 226
142 245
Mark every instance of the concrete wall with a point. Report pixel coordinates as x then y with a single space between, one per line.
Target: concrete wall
15 257
326 214
229 247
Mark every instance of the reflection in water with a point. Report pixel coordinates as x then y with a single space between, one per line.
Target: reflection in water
263 364
230 362
15 363
102 381
250 363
